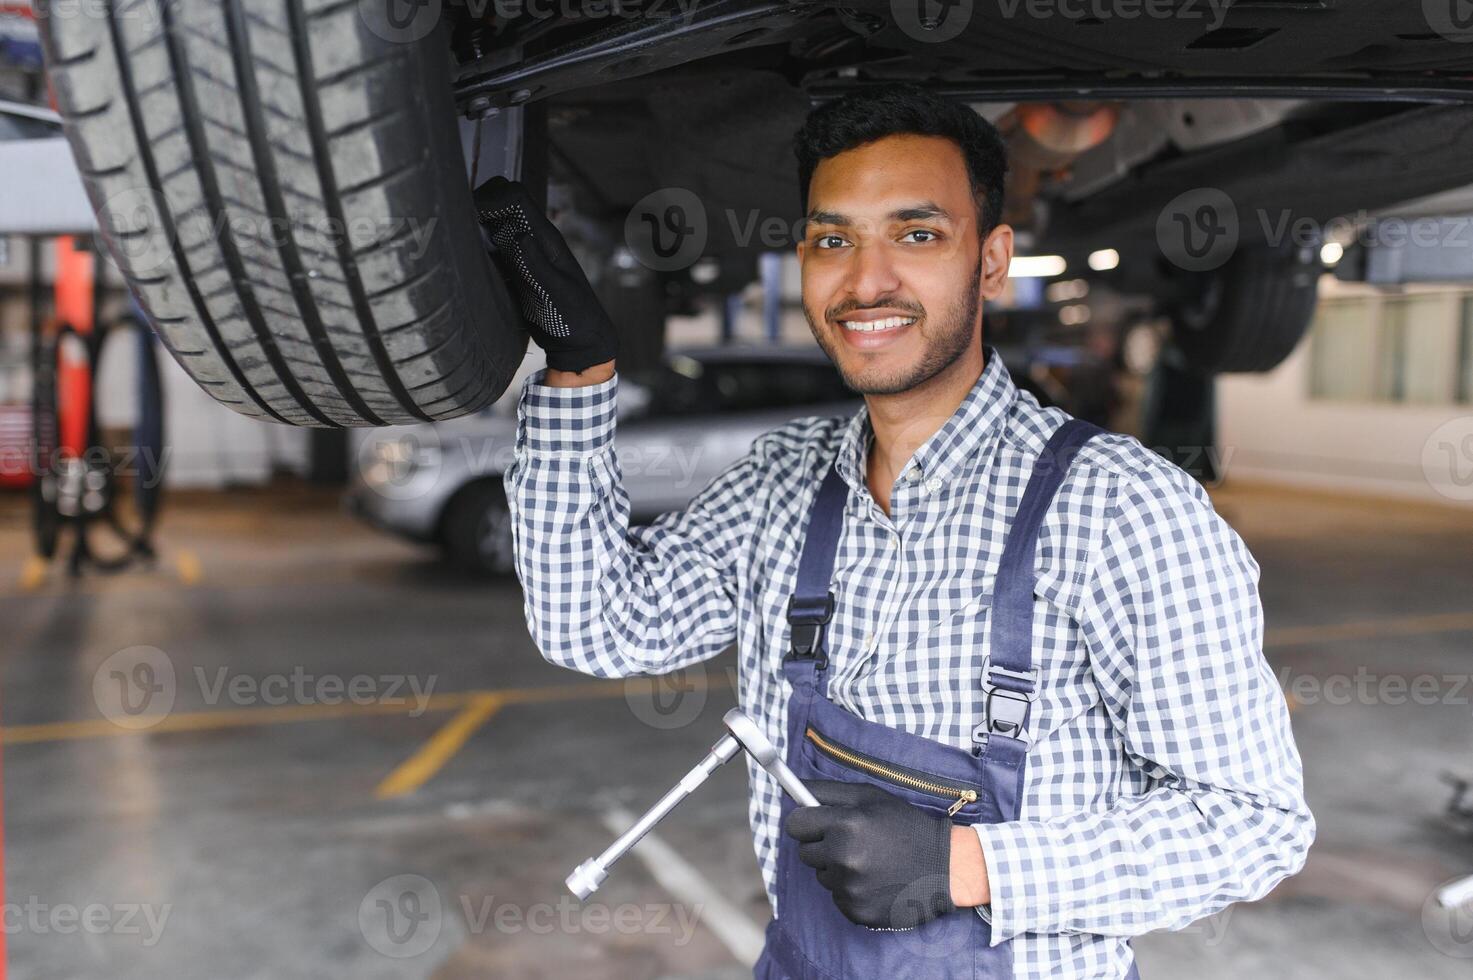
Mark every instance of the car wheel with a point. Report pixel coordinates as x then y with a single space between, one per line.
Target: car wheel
476 531
1250 314
285 191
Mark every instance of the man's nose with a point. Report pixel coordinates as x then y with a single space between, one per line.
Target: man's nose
871 274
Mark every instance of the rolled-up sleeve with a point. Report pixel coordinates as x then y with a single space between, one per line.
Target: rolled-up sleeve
602 597
1171 616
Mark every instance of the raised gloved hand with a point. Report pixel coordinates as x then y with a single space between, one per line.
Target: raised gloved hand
886 862
562 313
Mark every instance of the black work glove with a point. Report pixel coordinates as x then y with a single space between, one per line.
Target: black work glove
562 313
886 862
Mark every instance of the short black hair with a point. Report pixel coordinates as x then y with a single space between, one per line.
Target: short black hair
901 108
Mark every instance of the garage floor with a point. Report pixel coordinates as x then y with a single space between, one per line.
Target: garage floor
366 770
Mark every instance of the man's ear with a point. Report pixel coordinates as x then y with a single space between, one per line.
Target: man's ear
997 255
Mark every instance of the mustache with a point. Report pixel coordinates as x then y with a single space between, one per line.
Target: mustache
853 306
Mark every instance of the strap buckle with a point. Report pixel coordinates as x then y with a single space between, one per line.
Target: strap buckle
1006 705
807 622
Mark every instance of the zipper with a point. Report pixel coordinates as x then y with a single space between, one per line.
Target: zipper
904 777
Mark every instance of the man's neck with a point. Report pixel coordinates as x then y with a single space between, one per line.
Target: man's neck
903 422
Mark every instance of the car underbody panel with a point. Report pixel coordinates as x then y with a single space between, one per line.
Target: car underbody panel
1307 108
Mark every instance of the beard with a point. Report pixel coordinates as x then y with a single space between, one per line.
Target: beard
955 336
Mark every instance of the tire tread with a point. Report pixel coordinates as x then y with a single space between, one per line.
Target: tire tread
211 115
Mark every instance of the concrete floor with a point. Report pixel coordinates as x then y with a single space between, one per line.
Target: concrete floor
241 838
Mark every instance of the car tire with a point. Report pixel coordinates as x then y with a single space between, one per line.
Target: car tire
285 192
1249 315
475 533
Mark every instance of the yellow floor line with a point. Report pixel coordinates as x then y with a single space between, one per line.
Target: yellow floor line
188 565
199 721
32 574
415 771
60 731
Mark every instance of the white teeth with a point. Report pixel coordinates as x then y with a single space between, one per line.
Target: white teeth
870 326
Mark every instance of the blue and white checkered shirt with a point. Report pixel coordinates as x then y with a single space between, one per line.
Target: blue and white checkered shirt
1163 783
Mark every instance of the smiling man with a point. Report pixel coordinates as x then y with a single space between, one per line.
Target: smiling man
1017 659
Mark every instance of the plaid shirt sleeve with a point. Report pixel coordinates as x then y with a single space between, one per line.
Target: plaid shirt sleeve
1171 617
602 597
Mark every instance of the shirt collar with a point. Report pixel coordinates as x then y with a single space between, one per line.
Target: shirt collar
960 439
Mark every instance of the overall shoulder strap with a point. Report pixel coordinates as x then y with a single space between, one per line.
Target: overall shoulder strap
811 605
1009 688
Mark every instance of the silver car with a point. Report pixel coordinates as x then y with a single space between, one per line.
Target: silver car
679 425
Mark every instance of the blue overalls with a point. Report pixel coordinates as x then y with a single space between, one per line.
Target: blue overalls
812 940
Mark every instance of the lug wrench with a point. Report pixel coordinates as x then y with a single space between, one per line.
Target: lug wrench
741 734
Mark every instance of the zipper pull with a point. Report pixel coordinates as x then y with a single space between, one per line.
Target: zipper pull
970 796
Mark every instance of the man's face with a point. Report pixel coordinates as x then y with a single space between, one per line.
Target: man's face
893 271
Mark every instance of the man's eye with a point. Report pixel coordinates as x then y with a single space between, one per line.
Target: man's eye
828 241
927 235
